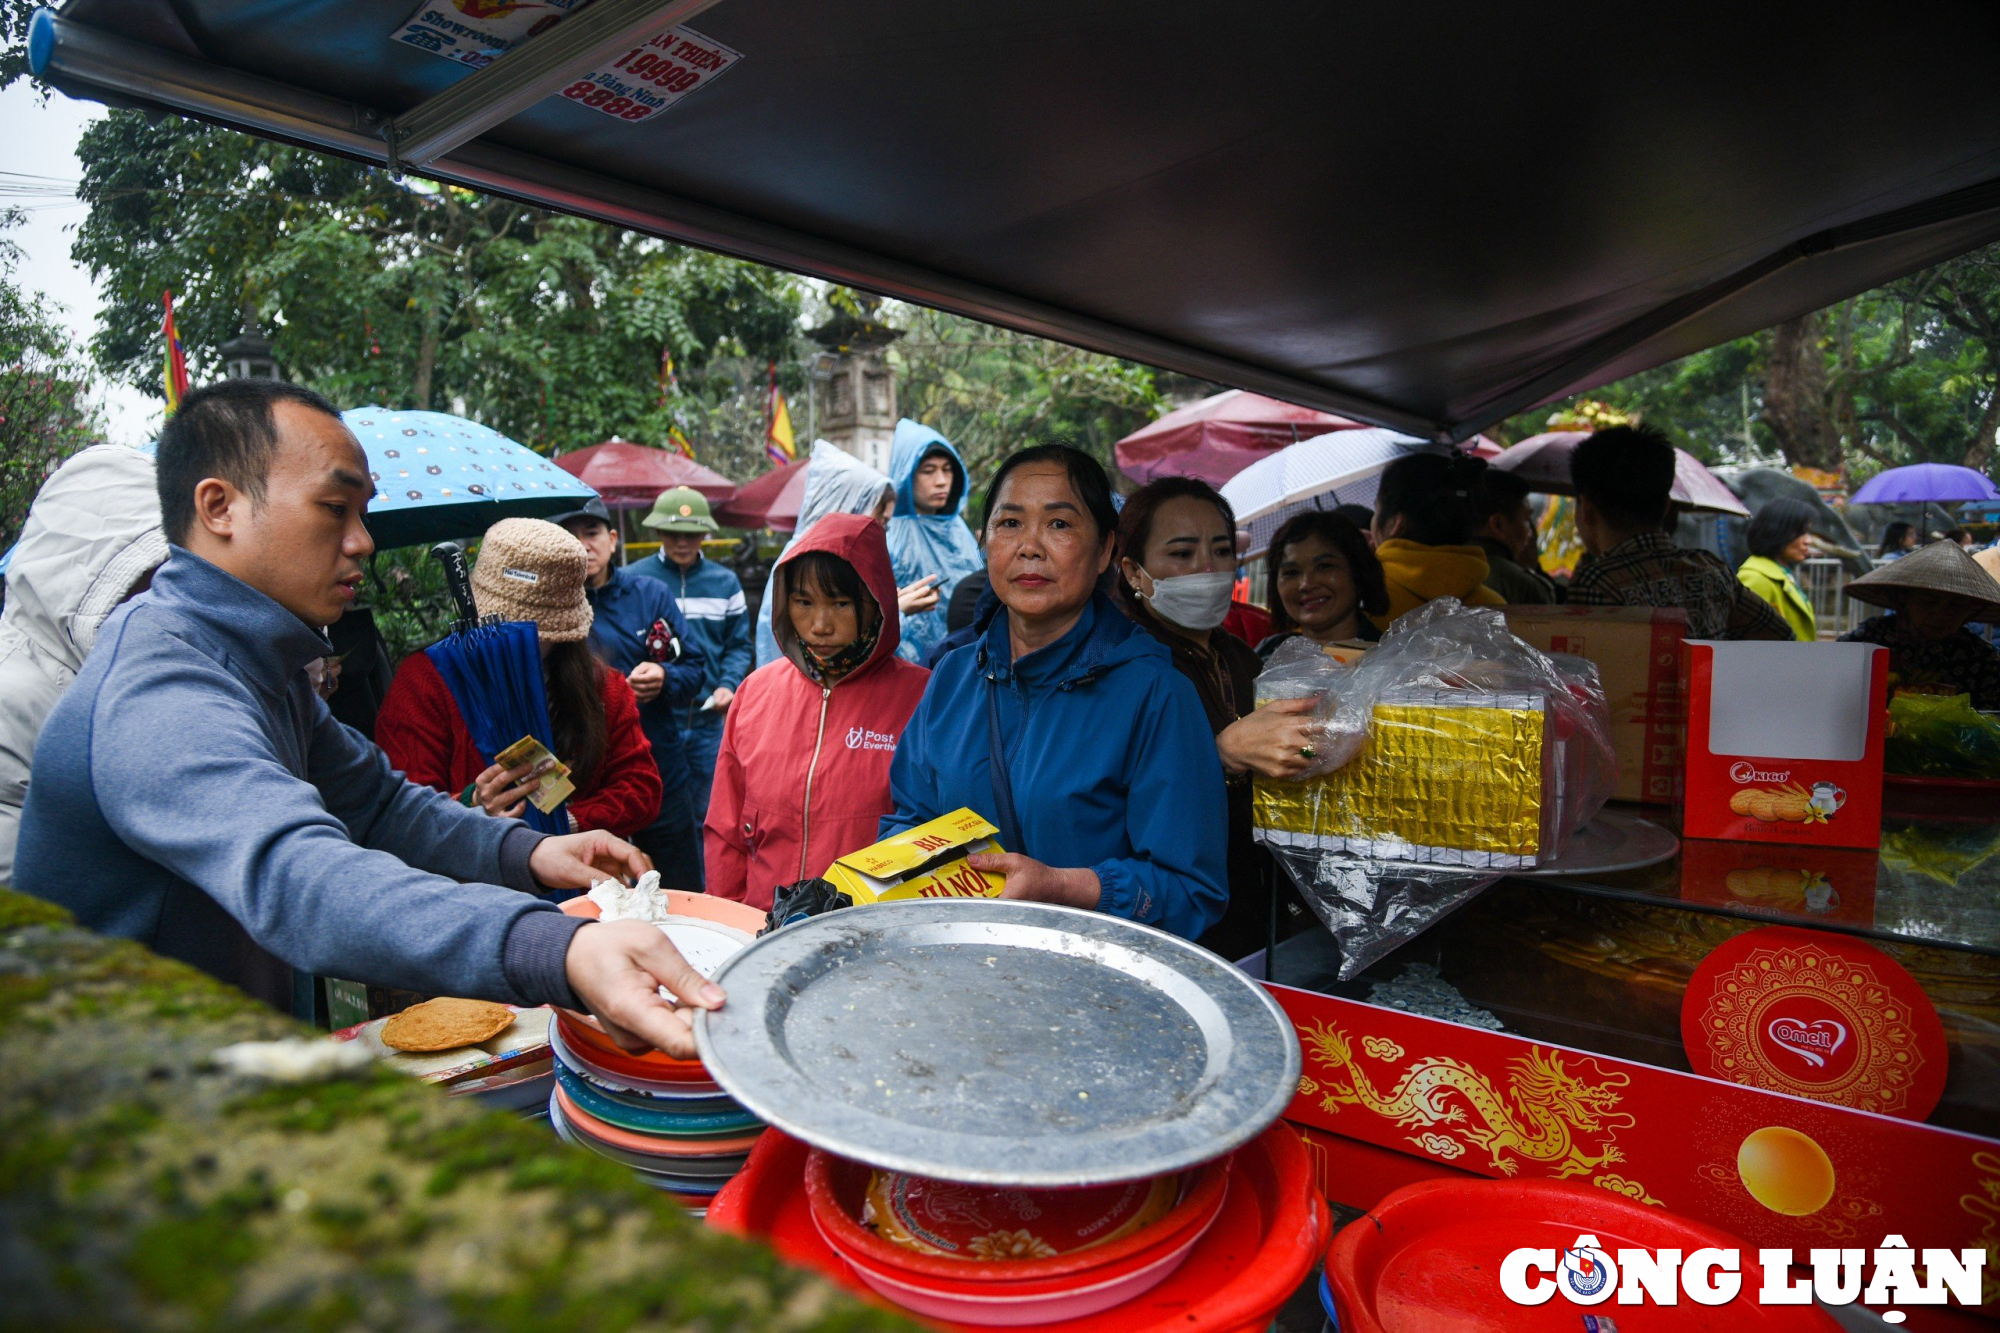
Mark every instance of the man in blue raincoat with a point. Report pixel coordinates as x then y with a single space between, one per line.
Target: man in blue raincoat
637 629
711 598
927 536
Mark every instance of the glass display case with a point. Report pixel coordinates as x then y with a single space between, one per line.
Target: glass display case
1659 1032
1601 962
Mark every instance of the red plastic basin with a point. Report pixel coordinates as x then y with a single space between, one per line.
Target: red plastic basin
1271 1229
1427 1260
834 1188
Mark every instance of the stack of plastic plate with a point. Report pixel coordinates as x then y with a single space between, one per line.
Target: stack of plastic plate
1050 1103
665 1118
981 1255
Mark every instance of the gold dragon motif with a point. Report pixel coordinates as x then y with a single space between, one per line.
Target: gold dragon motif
1552 1118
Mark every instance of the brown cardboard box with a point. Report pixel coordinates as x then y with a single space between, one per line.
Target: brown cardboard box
1637 650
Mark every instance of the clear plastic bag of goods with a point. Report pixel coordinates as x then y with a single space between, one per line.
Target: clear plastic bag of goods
1941 736
1449 754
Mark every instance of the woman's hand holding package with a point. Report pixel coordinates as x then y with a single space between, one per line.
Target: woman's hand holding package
1030 879
1276 741
617 969
502 792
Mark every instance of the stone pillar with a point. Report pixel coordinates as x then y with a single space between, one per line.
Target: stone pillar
854 389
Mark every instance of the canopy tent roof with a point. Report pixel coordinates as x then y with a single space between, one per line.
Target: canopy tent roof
1329 204
768 500
1217 437
626 475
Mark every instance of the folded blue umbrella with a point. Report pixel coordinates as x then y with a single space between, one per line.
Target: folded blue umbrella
494 672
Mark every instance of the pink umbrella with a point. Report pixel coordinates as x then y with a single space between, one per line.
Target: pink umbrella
1543 462
631 476
1219 436
771 500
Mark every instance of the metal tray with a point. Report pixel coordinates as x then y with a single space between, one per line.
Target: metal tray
1615 840
999 1043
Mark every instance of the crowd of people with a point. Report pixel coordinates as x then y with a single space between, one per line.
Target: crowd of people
1079 668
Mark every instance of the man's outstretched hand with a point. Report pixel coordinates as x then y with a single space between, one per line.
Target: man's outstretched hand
617 968
579 860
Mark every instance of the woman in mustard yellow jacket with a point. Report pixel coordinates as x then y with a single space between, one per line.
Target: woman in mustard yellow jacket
1780 538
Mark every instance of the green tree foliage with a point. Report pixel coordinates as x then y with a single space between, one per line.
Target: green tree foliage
395 291
1905 373
990 390
44 381
15 16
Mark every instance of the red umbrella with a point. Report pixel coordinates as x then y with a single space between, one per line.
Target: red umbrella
768 501
1218 437
631 476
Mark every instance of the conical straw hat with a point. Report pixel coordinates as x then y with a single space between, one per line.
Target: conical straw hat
1941 567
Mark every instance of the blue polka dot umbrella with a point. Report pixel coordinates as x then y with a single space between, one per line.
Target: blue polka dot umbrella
438 476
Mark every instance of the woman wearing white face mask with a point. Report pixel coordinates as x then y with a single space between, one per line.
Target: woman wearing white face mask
1176 569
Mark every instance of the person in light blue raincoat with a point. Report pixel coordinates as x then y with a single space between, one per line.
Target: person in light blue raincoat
927 536
836 483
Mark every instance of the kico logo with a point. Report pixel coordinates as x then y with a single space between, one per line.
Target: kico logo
1742 771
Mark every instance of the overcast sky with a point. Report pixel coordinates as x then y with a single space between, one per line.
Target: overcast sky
39 143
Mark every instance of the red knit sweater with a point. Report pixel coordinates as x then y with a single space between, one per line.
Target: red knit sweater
421 731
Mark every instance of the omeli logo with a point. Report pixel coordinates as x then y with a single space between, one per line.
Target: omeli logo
1743 771
1812 1042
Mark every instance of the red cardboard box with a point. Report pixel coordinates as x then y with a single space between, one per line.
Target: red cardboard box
1784 742
1637 651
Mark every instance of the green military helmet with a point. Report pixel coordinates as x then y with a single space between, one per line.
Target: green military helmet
682 509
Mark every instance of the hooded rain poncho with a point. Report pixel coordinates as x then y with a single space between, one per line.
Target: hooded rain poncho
928 544
803 775
836 483
92 534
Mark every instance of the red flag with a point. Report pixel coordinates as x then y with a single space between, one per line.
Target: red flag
175 376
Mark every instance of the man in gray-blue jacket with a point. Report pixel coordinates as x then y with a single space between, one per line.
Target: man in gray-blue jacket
192 792
711 599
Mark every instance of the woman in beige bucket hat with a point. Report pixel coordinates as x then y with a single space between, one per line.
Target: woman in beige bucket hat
1934 592
531 570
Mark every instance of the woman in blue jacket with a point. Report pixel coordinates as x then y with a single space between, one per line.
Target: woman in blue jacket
1109 793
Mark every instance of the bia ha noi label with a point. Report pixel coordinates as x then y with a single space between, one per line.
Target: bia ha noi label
927 861
635 85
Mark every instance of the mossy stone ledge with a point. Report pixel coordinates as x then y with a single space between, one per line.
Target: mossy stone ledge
142 1187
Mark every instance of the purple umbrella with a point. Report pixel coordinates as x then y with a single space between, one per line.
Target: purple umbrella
1941 483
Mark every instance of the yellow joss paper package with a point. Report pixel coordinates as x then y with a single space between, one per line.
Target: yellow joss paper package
927 861
1451 752
1448 777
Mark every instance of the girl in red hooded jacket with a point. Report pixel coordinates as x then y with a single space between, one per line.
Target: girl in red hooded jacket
803 776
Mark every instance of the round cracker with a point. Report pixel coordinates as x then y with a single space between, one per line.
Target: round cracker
1790 806
445 1024
1739 804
